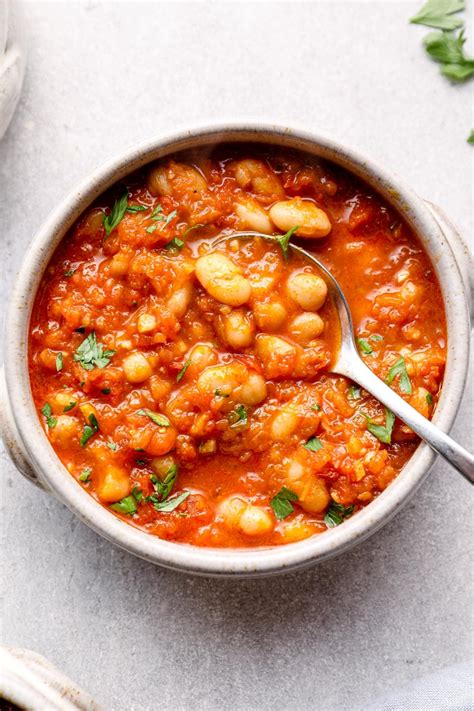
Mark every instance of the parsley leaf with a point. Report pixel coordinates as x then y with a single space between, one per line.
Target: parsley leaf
112 445
446 48
105 391
156 417
470 138
364 346
137 494
281 503
376 337
163 488
382 432
183 370
48 414
437 13
219 393
336 514
429 398
284 240
136 208
171 504
59 362
91 354
193 227
316 407
89 430
85 477
400 369
127 505
70 406
118 211
238 416
69 272
314 444
157 216
175 243
354 393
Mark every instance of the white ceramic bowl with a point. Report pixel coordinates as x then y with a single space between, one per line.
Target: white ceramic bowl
35 457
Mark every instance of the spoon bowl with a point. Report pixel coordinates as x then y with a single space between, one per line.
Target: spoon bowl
349 363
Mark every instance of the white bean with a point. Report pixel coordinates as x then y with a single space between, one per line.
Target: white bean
239 329
253 391
223 279
269 315
308 290
310 219
252 216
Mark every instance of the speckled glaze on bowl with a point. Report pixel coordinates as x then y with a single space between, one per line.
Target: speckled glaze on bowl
34 456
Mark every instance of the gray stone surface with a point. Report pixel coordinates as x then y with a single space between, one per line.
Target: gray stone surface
102 76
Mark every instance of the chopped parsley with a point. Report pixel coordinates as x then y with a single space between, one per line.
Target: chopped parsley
175 243
157 216
156 417
316 407
70 406
336 514
376 337
118 211
59 362
364 346
136 208
183 370
171 504
382 432
219 393
281 503
69 272
91 354
314 444
89 430
439 14
112 445
354 393
284 240
429 398
470 138
137 494
48 414
238 416
164 486
400 369
127 505
85 477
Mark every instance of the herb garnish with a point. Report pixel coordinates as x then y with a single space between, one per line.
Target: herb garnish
400 369
354 393
105 391
91 354
219 393
160 499
59 362
316 407
470 138
85 477
70 406
47 412
112 445
118 211
438 13
283 241
238 416
156 417
448 50
171 504
136 208
429 398
127 505
314 444
157 216
336 514
193 227
382 432
376 337
69 272
175 243
89 430
281 503
364 346
183 370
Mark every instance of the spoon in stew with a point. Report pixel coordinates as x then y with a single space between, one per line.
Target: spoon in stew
350 364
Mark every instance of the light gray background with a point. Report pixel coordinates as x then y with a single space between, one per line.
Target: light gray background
102 76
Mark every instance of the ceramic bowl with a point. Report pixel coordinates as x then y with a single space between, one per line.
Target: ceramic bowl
35 457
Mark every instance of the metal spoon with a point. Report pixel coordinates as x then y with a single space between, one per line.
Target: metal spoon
350 364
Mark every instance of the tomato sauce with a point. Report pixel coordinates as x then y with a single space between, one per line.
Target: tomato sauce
187 386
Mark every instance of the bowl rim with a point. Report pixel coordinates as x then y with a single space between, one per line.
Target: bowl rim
223 561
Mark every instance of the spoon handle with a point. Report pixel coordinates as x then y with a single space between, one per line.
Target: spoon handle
438 440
